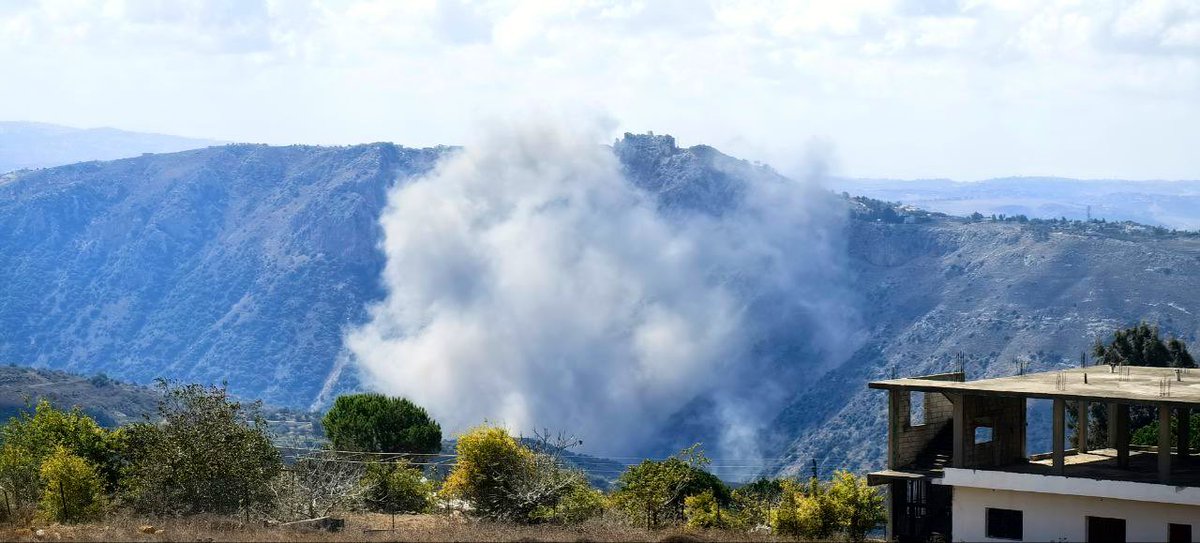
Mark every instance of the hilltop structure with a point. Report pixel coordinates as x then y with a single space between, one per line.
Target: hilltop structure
958 466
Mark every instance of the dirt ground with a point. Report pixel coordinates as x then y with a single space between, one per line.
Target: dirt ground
359 527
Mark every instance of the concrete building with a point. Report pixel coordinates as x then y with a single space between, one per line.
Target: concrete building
958 468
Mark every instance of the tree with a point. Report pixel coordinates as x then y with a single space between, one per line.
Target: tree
756 500
1148 434
72 490
805 510
29 439
503 479
209 454
1140 345
858 507
395 487
653 492
378 423
488 466
316 484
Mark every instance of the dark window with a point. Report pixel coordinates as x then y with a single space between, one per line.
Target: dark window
1004 524
1179 533
1105 530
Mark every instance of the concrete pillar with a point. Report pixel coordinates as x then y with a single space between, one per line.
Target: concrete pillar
1164 444
1112 426
1183 448
895 426
960 410
1121 434
1058 416
1081 426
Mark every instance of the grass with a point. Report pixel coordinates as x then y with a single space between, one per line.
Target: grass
408 528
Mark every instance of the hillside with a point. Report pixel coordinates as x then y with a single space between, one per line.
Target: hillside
248 263
39 145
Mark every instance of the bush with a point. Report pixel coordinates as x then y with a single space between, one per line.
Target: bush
397 488
703 511
208 455
817 511
805 511
489 465
756 500
505 480
653 492
858 507
72 491
378 423
577 504
30 439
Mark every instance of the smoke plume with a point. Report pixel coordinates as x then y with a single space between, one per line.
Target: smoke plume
531 283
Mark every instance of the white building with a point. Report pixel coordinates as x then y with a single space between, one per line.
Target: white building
958 468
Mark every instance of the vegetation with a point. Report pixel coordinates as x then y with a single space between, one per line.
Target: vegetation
73 491
378 423
209 454
206 453
397 488
1141 345
653 492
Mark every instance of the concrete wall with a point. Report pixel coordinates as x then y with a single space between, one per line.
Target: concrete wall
1006 418
1051 517
906 441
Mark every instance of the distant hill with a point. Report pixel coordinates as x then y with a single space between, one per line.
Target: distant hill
247 263
37 145
1172 204
114 403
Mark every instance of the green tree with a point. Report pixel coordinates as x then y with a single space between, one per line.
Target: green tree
1148 434
377 423
72 490
805 510
653 492
30 438
397 488
756 500
1141 345
209 454
858 507
488 466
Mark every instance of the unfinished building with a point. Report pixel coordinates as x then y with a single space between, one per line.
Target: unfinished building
958 468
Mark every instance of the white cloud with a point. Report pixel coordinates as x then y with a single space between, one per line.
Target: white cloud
904 88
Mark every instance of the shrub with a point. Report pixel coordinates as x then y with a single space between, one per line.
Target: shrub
502 479
756 500
30 439
577 504
859 508
703 511
208 455
72 491
378 423
805 511
397 488
653 492
489 465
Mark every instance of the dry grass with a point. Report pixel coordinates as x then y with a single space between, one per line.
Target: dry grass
408 528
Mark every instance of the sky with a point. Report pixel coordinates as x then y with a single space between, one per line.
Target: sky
965 89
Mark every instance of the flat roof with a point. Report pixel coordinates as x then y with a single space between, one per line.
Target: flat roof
1123 384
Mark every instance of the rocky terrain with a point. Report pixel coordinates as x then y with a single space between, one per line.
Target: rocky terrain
247 263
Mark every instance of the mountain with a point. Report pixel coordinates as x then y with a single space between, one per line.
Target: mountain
247 263
38 145
1041 291
1170 204
240 263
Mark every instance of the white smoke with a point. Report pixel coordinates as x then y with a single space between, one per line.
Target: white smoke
529 283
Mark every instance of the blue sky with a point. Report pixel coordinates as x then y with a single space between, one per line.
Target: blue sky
966 90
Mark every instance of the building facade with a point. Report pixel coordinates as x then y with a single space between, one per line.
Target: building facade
958 467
